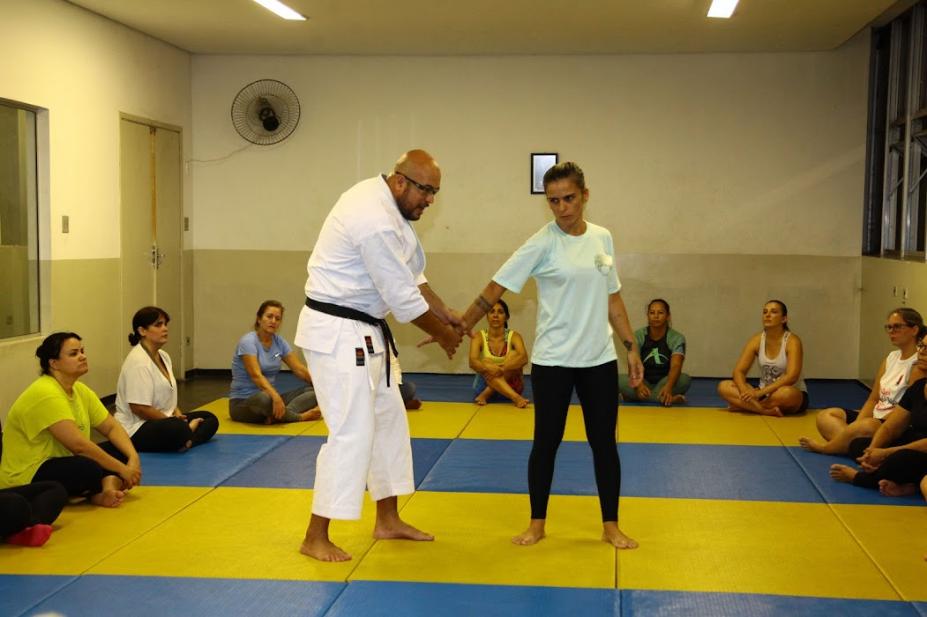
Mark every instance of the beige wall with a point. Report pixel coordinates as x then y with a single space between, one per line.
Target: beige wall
886 285
725 179
84 70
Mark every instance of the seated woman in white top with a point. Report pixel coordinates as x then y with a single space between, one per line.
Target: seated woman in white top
254 397
146 394
840 427
778 353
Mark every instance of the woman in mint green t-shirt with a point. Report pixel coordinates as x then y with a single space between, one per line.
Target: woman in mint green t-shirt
663 350
579 304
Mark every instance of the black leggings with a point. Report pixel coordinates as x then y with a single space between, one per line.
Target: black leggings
597 388
30 504
80 475
901 467
172 434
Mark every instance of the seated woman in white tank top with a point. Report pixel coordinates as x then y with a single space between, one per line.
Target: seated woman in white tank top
839 427
778 353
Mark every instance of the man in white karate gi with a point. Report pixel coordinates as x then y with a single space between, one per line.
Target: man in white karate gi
366 263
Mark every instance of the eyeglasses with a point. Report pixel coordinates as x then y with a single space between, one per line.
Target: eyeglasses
895 327
425 188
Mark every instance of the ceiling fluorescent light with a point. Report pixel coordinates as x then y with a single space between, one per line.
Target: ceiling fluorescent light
275 6
722 8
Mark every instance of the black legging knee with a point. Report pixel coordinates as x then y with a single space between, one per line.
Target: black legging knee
901 467
30 504
597 388
173 434
80 476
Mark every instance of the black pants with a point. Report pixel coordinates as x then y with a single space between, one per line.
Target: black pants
80 476
597 388
30 504
901 467
859 445
172 434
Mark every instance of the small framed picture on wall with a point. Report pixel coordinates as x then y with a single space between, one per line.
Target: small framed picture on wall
540 163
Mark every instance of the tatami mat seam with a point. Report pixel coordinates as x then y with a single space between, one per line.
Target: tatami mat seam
833 510
28 611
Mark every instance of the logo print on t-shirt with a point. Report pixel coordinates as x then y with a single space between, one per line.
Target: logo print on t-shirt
655 357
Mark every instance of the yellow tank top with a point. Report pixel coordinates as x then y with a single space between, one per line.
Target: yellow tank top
488 355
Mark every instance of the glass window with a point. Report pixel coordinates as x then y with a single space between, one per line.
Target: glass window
19 247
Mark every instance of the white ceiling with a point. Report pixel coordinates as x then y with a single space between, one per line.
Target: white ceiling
465 27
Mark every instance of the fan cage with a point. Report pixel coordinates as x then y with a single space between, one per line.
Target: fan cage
247 106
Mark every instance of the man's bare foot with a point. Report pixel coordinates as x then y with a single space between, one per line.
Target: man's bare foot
480 400
532 535
521 402
323 549
842 473
311 414
615 537
396 529
108 498
893 489
811 445
195 423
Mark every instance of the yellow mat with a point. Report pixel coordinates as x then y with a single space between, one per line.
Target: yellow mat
790 428
746 547
894 536
505 421
473 544
693 425
85 534
242 533
432 421
227 426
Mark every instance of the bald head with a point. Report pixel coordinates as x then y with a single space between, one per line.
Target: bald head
415 181
415 162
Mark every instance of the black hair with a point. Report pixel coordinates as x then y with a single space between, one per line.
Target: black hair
910 317
505 309
50 349
566 170
266 304
143 318
661 301
785 312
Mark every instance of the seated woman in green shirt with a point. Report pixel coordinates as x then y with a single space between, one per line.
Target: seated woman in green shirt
47 432
663 350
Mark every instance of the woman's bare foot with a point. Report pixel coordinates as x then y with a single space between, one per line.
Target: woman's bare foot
521 402
323 549
678 398
773 411
311 414
195 423
397 529
480 400
893 489
108 498
532 535
842 473
811 445
615 537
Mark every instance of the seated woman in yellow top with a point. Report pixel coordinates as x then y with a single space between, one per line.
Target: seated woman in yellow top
47 433
498 355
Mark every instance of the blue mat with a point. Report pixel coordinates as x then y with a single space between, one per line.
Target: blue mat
292 463
648 470
19 593
710 604
816 467
142 596
208 464
376 599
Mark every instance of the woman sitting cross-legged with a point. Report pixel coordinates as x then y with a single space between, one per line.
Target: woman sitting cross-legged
254 397
497 356
841 427
663 350
146 393
47 433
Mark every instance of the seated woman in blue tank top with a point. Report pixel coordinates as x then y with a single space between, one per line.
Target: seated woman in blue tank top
254 397
778 354
663 350
498 355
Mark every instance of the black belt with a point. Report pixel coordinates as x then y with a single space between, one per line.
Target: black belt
349 313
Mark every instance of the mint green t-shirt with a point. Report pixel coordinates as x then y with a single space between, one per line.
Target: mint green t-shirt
27 442
575 275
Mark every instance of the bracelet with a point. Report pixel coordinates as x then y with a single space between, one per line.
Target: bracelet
482 303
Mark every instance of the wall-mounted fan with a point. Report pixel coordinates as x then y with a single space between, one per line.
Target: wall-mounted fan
265 112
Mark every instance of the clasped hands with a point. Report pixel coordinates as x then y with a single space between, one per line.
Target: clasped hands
454 331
